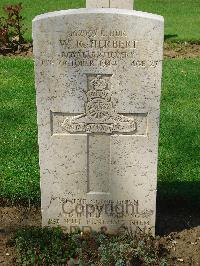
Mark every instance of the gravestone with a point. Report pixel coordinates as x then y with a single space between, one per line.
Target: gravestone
125 4
98 80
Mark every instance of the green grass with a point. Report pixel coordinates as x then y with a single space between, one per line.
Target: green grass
19 175
32 8
179 171
182 17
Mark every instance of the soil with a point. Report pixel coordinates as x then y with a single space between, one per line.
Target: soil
12 219
178 225
181 50
171 50
23 50
178 231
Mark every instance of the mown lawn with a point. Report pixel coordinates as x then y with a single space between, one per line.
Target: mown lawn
179 171
19 175
182 17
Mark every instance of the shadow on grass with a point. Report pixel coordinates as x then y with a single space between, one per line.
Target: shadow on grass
180 210
170 36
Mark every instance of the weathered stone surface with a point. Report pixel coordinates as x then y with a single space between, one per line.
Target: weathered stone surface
125 4
98 79
97 3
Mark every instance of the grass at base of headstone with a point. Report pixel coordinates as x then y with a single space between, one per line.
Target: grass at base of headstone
181 16
48 246
179 169
19 173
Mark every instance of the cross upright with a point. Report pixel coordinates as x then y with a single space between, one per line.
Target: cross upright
99 122
123 4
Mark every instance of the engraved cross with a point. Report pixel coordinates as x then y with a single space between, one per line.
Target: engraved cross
100 121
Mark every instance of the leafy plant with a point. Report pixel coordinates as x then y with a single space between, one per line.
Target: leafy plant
36 246
15 21
4 37
12 27
50 246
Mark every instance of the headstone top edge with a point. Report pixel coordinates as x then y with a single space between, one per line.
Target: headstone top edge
99 11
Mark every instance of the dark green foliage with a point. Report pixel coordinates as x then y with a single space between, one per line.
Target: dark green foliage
36 246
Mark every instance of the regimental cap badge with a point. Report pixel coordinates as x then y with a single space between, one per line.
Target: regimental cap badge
99 89
99 83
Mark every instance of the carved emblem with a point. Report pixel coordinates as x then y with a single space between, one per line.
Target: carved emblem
100 115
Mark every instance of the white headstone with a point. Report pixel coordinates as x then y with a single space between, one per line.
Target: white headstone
125 4
98 80
97 3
